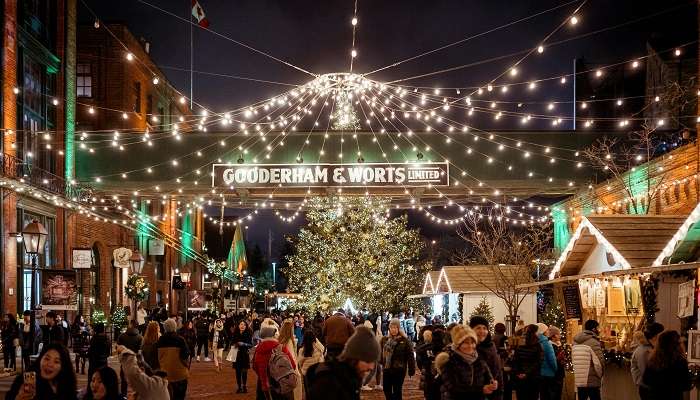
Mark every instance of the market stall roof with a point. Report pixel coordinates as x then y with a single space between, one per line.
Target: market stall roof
642 270
630 241
431 278
480 278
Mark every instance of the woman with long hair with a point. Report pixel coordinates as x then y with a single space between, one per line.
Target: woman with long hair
288 340
10 341
310 352
81 342
666 375
527 362
53 377
149 348
104 385
242 341
397 357
218 343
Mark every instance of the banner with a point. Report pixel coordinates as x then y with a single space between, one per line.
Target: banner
197 300
58 290
323 175
122 257
156 247
82 258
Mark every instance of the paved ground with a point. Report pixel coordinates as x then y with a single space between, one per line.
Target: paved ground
207 383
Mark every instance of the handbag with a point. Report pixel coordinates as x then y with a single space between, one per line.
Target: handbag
232 354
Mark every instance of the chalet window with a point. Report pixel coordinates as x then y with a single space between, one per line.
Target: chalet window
83 80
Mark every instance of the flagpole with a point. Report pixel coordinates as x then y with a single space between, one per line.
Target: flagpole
191 59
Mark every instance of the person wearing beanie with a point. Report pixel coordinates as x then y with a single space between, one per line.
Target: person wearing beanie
589 363
261 361
397 358
463 373
548 369
376 373
341 378
640 357
554 335
335 332
488 352
173 358
527 364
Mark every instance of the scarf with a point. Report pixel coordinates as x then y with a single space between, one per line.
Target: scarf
469 358
389 347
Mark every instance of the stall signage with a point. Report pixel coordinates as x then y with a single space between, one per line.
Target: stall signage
572 302
339 175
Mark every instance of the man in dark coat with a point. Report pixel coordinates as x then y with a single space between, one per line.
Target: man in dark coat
342 377
336 331
488 352
51 332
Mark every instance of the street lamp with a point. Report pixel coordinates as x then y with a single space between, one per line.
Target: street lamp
137 262
34 237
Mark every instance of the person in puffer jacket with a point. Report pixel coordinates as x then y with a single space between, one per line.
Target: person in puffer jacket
588 360
464 375
549 363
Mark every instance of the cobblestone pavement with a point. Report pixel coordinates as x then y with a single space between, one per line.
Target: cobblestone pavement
206 383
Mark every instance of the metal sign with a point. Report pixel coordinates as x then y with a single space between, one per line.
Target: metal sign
156 247
122 257
424 174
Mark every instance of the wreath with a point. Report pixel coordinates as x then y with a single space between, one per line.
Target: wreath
136 288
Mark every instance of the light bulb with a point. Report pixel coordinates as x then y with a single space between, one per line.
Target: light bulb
540 49
353 53
354 21
574 20
130 56
155 80
677 52
183 100
635 64
513 71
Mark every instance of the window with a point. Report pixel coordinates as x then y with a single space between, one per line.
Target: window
137 97
33 79
149 104
27 290
83 80
159 264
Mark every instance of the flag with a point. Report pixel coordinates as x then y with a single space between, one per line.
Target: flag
198 14
237 257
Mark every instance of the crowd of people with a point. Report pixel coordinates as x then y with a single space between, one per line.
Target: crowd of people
297 357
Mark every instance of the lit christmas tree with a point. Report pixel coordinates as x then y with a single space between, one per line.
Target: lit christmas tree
350 250
553 315
484 309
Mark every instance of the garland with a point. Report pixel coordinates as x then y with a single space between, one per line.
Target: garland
221 270
136 288
649 292
97 316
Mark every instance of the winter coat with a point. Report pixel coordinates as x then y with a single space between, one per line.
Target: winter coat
337 330
561 361
425 359
52 334
32 337
588 360
400 357
10 332
461 380
99 351
173 356
145 387
410 325
131 339
669 383
202 328
549 363
150 355
337 379
261 359
243 341
528 360
316 357
488 353
190 336
639 361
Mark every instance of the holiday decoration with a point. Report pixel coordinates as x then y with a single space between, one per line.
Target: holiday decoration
484 309
344 116
118 319
350 246
222 270
136 288
553 315
649 302
97 316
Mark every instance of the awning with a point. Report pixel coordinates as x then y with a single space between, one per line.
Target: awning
622 272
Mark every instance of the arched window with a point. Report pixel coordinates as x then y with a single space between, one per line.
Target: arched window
95 273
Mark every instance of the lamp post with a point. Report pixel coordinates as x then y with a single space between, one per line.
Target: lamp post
185 276
136 263
34 237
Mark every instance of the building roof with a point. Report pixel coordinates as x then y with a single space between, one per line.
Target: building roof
633 241
480 278
431 280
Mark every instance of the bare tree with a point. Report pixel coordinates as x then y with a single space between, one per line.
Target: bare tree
514 254
628 163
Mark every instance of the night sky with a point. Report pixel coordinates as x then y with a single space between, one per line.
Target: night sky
316 36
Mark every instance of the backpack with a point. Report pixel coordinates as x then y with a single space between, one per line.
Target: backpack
283 378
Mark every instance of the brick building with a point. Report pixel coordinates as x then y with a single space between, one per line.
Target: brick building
49 81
